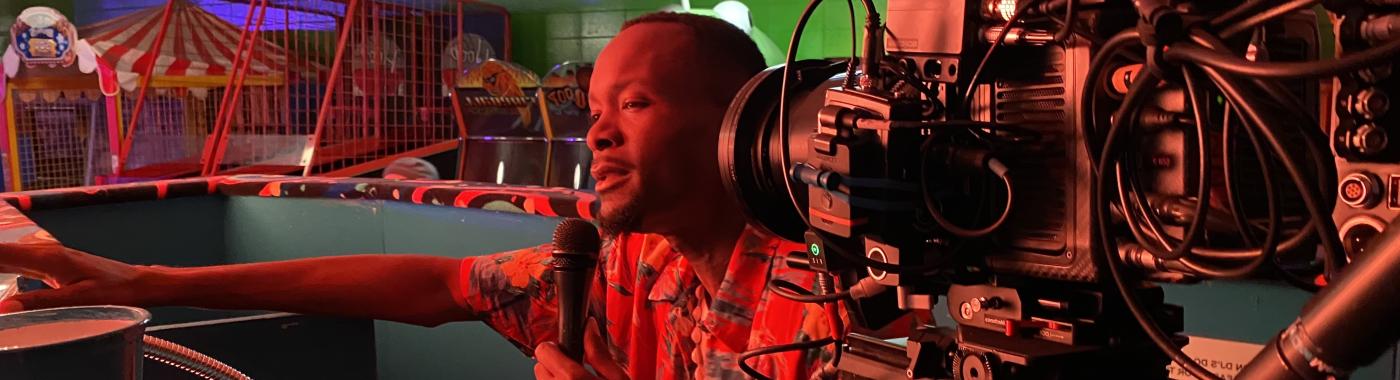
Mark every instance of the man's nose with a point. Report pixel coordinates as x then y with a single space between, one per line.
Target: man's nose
604 135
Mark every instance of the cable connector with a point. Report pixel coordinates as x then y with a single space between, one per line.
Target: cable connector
971 159
1159 23
1381 29
865 288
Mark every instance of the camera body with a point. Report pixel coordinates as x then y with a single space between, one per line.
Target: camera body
1368 163
965 170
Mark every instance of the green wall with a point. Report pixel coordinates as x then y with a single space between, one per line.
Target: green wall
544 36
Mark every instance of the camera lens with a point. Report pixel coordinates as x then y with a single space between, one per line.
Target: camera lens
750 148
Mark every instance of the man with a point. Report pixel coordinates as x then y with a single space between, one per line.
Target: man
411 168
680 291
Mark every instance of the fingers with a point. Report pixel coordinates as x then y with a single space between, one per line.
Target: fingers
553 363
38 261
596 352
542 373
26 255
73 295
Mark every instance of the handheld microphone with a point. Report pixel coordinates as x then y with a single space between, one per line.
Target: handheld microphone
576 245
1348 324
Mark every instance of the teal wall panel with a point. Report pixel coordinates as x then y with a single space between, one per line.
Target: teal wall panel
462 350
216 230
265 229
174 232
456 232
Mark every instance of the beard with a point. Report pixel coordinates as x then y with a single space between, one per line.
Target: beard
623 217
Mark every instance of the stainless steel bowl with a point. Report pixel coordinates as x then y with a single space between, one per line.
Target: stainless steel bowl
111 352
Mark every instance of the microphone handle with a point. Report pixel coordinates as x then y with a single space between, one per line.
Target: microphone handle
571 283
1348 324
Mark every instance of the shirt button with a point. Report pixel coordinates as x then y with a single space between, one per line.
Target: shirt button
695 356
695 336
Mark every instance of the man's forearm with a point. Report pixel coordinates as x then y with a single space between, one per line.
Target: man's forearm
406 288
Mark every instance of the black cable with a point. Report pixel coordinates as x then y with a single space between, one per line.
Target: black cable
1068 25
1087 105
1237 209
1256 257
1234 65
850 81
829 285
1194 230
1016 134
1271 197
1265 16
1293 241
1109 246
744 357
1293 279
1236 204
1275 220
1326 230
1086 111
785 156
1313 137
1093 39
1245 8
1269 248
795 292
948 225
998 41
1313 140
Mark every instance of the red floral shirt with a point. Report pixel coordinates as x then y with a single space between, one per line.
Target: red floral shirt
659 321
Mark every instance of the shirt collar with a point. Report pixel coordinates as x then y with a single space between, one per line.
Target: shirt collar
732 306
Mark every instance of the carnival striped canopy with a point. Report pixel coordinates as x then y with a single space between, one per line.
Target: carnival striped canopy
196 43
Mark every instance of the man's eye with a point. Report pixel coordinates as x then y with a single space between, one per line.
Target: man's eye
634 105
595 116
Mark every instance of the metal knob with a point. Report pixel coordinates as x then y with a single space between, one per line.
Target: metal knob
1368 140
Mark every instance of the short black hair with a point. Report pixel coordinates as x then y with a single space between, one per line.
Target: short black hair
714 37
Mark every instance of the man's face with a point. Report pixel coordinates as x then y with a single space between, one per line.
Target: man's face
656 124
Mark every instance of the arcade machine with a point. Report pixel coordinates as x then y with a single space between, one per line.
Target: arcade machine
61 123
506 136
564 100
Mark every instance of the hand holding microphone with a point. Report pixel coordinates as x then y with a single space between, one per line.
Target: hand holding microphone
576 246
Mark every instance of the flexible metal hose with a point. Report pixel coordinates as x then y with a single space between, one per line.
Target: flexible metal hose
188 360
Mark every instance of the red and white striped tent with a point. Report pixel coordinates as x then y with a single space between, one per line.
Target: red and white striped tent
198 47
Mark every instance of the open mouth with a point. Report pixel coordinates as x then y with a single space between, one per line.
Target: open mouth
608 176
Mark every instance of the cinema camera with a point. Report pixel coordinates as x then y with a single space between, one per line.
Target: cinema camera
1042 164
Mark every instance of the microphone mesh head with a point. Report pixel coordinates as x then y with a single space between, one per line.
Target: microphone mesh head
577 236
